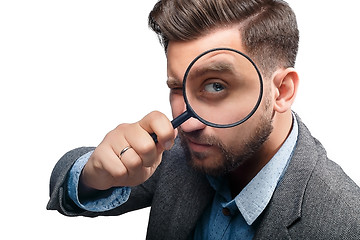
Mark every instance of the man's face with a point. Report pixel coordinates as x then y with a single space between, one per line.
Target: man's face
215 151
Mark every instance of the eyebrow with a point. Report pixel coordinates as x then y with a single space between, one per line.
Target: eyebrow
219 66
173 82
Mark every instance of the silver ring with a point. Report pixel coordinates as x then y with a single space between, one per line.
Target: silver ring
124 150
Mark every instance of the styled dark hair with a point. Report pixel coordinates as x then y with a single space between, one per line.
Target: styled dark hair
268 27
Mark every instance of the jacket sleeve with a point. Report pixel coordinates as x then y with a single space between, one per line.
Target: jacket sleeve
140 196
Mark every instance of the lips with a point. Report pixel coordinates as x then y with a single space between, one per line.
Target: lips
198 146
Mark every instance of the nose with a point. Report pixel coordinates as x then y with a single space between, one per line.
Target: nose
192 124
179 111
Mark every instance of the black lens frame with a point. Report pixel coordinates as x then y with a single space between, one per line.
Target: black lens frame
190 111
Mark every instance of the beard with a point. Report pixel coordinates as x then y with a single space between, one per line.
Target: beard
230 158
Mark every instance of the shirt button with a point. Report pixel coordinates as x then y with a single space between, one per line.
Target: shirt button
226 212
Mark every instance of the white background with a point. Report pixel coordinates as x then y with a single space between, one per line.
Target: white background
70 71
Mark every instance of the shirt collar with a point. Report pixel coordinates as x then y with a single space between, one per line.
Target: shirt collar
256 195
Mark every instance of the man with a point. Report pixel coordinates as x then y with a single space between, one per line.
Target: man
266 178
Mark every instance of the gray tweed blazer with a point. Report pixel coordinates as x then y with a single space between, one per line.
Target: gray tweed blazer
315 199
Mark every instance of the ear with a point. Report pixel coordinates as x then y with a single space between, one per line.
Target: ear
286 83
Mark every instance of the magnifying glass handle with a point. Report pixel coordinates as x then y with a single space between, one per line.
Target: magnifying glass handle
181 119
176 122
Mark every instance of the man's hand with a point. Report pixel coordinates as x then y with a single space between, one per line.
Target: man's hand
106 168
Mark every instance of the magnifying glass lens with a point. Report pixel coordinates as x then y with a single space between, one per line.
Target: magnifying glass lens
223 87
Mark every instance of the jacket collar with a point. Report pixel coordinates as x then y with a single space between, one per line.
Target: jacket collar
286 205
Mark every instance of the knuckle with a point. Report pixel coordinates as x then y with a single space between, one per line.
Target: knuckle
134 164
167 134
119 174
156 113
96 159
147 154
121 128
97 164
147 148
162 117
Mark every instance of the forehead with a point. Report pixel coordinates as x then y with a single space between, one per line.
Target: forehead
180 54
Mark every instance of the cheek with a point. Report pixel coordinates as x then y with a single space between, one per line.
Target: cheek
231 138
177 104
236 137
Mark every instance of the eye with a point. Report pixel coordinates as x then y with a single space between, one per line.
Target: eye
176 90
214 87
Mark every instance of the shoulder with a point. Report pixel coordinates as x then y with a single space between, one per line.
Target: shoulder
330 192
315 197
330 206
330 203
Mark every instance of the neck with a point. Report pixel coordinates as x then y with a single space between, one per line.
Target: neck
241 176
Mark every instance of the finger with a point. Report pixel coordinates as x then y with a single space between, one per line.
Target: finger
158 123
142 144
124 170
131 161
140 149
136 172
102 168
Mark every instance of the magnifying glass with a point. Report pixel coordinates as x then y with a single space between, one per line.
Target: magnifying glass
222 88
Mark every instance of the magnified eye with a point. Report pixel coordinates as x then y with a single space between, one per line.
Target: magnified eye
214 87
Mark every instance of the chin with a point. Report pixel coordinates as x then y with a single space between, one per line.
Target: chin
210 166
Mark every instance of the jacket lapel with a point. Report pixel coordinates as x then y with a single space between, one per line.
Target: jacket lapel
197 197
181 197
284 209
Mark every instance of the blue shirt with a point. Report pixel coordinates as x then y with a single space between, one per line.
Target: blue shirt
226 218
106 200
